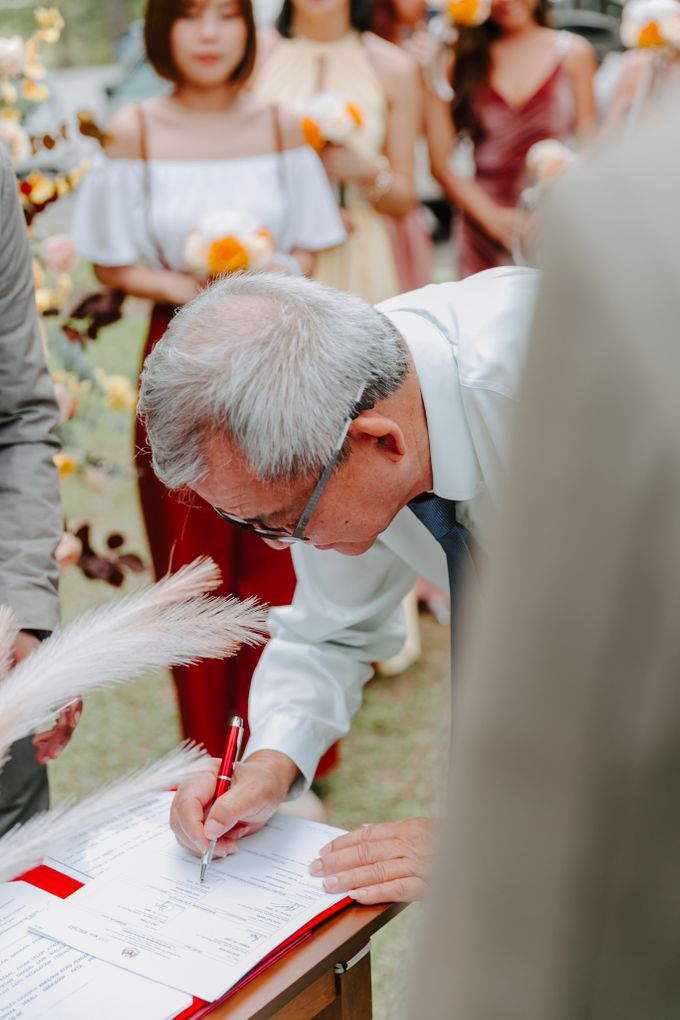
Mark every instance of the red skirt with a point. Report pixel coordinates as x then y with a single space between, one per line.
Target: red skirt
178 531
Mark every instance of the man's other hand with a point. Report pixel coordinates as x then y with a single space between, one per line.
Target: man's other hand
259 786
383 863
51 743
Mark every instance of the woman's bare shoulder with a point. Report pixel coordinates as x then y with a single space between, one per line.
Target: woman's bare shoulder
125 133
394 65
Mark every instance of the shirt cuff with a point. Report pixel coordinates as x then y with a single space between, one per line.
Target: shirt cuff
300 740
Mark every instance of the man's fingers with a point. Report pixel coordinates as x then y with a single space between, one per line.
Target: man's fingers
366 834
357 856
390 870
188 810
403 890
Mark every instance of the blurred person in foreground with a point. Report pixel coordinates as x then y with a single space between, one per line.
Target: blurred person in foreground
31 522
559 877
176 165
516 81
373 441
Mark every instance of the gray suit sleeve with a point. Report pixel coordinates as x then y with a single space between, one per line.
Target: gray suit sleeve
30 507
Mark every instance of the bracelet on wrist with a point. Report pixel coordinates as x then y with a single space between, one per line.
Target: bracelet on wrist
383 180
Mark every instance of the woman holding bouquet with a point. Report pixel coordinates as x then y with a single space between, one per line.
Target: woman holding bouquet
516 81
326 48
207 159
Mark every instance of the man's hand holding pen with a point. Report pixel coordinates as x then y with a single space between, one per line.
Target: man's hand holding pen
375 864
258 787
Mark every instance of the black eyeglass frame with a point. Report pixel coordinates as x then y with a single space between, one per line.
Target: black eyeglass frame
298 533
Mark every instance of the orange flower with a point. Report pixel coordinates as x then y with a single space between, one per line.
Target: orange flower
651 36
226 256
355 114
312 135
469 13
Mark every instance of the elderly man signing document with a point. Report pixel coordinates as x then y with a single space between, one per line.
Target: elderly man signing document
373 440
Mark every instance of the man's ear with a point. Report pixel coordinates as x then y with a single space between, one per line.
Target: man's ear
381 431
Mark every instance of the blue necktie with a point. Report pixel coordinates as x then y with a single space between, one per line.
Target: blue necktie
439 517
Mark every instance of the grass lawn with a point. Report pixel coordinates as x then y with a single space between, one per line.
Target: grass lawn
391 759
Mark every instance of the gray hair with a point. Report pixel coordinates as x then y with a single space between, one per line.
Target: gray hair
273 362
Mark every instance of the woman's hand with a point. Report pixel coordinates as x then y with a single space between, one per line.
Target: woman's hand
503 225
344 163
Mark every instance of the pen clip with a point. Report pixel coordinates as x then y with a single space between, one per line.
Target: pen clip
239 741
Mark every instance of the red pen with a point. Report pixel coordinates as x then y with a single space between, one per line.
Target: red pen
232 747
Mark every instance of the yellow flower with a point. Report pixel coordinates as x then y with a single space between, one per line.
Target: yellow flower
355 114
33 92
47 300
226 256
50 23
311 134
38 188
33 65
38 277
64 285
10 114
119 393
8 93
67 464
469 13
651 36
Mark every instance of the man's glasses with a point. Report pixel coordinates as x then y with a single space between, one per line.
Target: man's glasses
298 533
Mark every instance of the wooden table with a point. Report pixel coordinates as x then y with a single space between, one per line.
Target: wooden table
326 978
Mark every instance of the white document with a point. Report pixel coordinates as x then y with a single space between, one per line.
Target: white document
153 916
97 849
44 980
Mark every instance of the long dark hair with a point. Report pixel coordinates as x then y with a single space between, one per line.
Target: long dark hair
360 14
158 21
472 66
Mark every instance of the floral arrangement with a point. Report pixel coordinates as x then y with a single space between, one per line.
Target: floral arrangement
83 393
228 241
330 118
22 88
651 24
549 158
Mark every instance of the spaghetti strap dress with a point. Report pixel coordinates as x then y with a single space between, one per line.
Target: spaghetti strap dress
132 211
503 136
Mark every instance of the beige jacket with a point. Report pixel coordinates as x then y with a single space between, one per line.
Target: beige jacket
30 507
558 890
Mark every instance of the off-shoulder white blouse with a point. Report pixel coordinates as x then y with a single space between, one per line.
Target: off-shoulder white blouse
115 224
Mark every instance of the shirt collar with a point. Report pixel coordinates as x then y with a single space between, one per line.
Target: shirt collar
455 470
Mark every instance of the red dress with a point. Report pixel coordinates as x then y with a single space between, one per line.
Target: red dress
504 134
179 531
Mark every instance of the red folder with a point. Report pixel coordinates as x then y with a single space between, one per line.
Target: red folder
51 881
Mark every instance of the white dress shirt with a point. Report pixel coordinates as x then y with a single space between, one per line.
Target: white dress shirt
468 342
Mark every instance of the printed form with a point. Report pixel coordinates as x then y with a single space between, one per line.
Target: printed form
40 978
151 915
